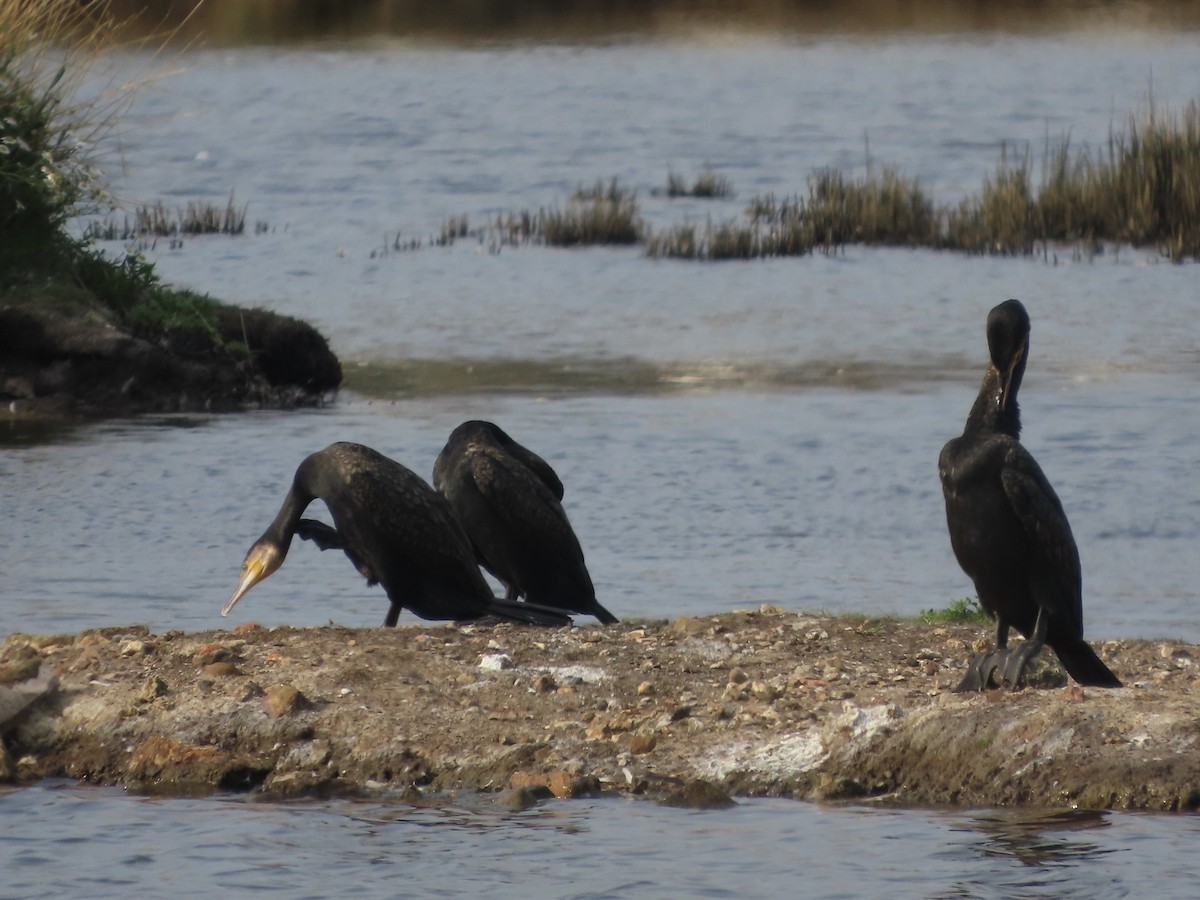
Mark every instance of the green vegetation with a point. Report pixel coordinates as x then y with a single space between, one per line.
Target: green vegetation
965 611
47 179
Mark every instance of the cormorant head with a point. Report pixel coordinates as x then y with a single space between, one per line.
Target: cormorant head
1008 345
263 559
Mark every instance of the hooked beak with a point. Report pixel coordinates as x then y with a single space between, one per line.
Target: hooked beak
260 562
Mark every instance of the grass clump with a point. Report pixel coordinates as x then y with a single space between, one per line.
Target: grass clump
877 210
156 221
596 215
1144 190
964 611
708 185
599 214
1000 221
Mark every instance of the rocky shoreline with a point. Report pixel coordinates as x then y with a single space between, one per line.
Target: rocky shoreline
65 362
696 711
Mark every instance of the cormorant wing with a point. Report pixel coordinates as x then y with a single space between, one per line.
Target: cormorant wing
324 536
535 464
519 496
1041 513
327 537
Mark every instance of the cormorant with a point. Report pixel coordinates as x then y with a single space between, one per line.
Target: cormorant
1008 528
507 499
396 530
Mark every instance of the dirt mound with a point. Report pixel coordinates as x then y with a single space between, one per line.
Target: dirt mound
692 712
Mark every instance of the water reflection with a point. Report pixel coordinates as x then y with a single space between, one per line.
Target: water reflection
1041 838
36 432
1035 853
101 843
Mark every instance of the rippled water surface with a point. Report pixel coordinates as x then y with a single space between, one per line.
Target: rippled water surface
87 842
728 434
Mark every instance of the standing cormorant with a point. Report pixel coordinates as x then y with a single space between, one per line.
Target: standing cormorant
396 530
1008 528
507 499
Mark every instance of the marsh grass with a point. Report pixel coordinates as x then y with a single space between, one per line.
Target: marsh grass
1143 189
708 185
157 221
879 210
595 215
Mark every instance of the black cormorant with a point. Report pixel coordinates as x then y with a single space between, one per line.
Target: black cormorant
507 499
397 531
1008 528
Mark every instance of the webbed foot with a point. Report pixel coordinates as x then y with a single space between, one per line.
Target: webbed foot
981 671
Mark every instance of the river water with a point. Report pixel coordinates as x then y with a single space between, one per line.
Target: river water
741 433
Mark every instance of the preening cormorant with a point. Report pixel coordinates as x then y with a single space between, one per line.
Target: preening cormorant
397 531
507 499
1008 528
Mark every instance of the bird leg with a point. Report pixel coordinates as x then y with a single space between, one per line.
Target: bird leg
1001 634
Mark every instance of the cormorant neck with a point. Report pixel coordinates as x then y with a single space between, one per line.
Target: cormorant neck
283 528
996 410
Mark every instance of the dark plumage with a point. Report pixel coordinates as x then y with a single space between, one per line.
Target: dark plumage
1008 528
507 499
397 531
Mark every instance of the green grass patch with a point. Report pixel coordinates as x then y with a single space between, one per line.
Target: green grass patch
965 611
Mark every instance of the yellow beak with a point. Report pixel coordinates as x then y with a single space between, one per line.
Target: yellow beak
253 571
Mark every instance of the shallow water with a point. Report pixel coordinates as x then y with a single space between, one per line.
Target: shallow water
99 845
817 499
729 435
